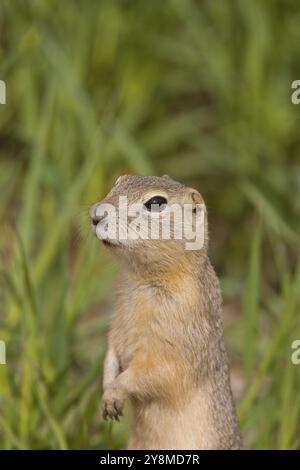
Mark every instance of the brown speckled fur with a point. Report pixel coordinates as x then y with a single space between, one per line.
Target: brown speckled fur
166 353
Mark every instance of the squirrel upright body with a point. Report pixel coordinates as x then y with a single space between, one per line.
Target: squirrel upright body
166 351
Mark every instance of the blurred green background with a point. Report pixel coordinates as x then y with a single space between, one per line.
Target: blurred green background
196 89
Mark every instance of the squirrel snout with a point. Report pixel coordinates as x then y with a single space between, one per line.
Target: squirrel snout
96 218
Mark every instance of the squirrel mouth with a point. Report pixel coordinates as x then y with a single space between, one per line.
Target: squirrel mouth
105 241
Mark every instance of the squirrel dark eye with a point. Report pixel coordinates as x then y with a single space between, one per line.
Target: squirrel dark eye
156 204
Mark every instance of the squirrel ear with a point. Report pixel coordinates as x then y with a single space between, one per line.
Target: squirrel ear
196 196
198 201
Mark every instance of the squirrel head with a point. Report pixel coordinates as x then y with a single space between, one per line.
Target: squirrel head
152 220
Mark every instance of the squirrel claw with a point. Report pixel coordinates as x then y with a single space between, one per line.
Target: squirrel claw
112 407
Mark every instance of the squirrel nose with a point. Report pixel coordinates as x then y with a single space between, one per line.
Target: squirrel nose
94 216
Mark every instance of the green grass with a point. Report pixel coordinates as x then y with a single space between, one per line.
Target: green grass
198 90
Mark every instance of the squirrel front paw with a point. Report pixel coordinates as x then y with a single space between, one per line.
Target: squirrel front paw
112 404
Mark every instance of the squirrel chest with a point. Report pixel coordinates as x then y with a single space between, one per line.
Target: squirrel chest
148 320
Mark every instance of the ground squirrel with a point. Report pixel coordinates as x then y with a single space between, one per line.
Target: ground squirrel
166 351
